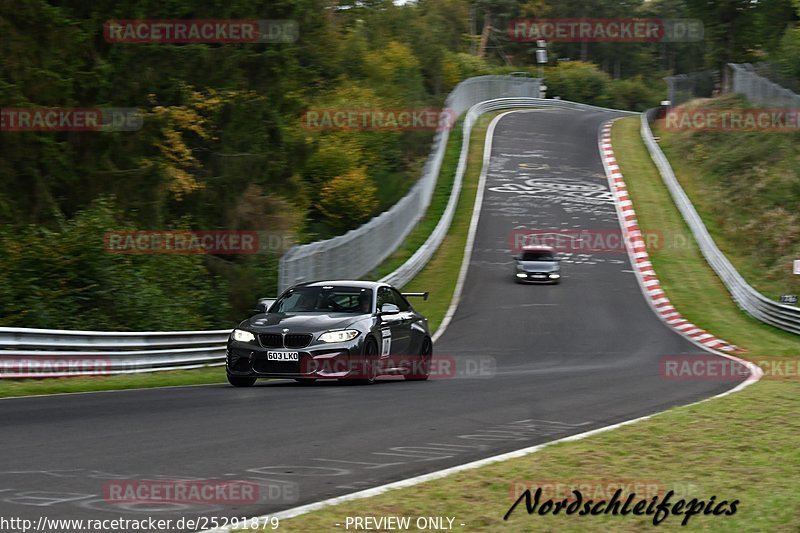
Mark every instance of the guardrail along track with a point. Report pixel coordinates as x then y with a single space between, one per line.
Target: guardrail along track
786 317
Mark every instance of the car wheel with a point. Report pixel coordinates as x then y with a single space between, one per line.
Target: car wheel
241 381
425 355
370 357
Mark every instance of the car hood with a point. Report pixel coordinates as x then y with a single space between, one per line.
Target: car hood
539 266
301 322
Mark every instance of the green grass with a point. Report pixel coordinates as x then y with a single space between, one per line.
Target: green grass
170 378
692 286
743 446
746 187
731 448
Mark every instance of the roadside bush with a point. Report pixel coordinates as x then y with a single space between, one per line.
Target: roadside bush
577 81
65 279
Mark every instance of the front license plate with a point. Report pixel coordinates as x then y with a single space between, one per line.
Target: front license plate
283 356
539 276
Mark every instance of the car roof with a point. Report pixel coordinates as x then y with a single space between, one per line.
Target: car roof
342 283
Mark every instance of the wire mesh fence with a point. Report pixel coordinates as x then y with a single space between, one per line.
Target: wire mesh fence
748 80
683 87
761 84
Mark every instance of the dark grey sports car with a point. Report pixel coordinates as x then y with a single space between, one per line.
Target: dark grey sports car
332 330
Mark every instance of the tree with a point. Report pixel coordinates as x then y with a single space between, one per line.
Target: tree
394 73
348 200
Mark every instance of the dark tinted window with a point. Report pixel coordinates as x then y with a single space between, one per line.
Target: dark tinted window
538 256
385 296
388 295
327 299
401 301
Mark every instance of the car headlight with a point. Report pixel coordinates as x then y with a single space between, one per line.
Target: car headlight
242 336
555 275
522 275
339 336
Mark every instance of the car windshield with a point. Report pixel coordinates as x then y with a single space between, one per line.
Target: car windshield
539 255
325 299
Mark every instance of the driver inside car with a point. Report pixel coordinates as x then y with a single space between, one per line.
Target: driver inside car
306 302
365 302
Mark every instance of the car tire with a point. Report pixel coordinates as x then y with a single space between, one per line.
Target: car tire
241 381
370 356
426 356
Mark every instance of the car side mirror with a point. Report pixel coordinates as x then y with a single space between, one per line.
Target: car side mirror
263 305
389 309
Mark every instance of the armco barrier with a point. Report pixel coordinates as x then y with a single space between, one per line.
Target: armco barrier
122 352
135 352
783 316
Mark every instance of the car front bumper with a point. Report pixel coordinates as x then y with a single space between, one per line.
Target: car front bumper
537 277
318 361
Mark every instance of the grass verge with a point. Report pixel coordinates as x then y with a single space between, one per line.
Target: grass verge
692 286
746 187
743 446
169 378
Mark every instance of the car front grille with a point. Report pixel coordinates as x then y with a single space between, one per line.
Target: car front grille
292 340
271 340
297 340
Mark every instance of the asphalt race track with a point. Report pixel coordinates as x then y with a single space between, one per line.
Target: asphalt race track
535 363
